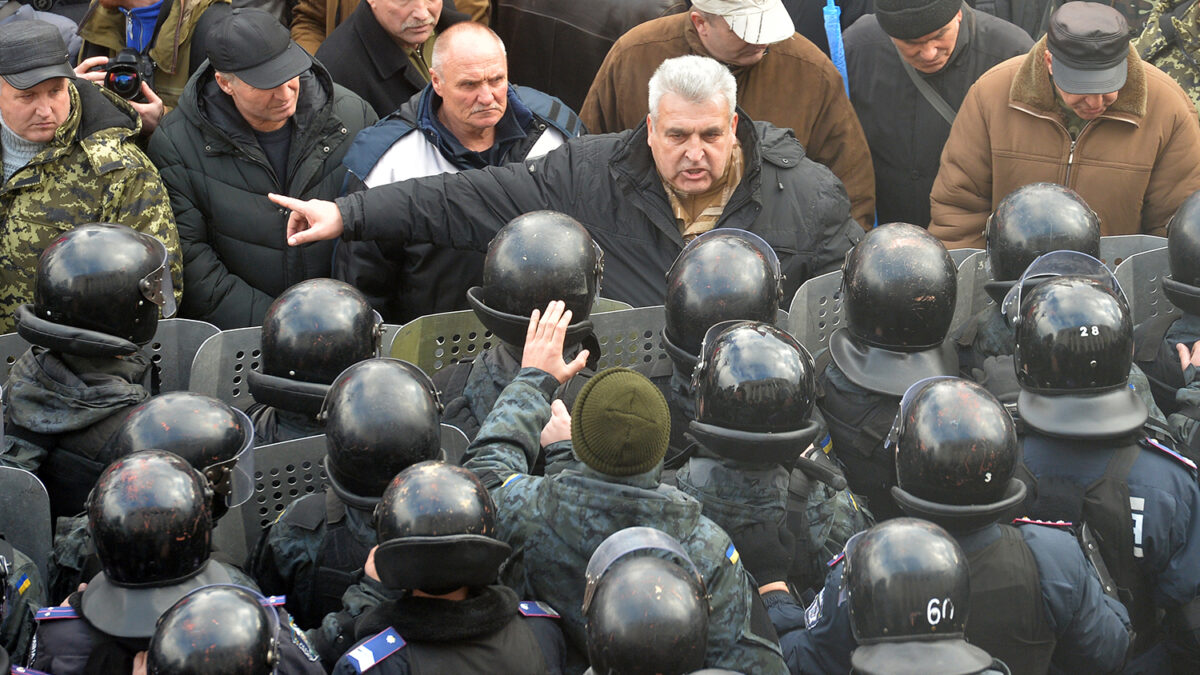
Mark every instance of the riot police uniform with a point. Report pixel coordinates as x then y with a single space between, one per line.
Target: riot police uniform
956 455
437 526
150 517
382 415
310 334
1176 389
97 298
898 294
535 258
754 392
1090 460
196 637
702 293
209 434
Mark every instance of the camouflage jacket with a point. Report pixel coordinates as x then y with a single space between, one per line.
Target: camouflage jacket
23 595
555 523
1175 50
92 171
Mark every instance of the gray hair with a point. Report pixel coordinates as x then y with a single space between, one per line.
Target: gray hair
448 37
696 79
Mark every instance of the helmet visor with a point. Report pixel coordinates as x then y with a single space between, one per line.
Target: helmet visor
157 286
1056 264
893 437
234 477
630 540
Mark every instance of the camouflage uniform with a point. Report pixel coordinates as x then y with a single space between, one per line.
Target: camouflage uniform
23 595
987 358
736 495
554 523
90 172
1175 55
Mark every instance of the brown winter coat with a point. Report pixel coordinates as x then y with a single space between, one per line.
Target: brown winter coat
1133 165
794 86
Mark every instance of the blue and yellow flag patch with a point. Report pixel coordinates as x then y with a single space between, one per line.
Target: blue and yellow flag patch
732 554
23 584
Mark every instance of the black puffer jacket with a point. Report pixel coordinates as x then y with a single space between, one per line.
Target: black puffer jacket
609 183
235 252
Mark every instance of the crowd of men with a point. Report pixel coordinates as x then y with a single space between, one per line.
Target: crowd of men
317 169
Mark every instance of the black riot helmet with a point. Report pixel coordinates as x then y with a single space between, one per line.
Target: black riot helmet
1073 351
536 258
310 334
99 287
216 630
215 438
754 390
909 589
381 416
722 275
956 453
1034 220
645 605
150 519
436 525
899 287
1182 288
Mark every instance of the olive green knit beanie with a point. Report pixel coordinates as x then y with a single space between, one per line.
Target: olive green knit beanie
620 424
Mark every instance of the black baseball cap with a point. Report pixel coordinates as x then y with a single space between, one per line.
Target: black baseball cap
254 46
1089 43
32 52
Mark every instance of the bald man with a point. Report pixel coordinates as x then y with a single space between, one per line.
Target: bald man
467 117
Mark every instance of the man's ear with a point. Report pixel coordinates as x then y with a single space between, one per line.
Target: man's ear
223 83
435 81
699 23
733 119
1049 62
649 128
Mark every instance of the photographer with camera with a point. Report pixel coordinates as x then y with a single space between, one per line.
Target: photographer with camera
145 50
69 158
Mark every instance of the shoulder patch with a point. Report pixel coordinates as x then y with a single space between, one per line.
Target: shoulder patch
813 614
301 641
1162 449
512 479
1062 524
531 608
49 613
836 559
365 656
23 584
732 554
274 601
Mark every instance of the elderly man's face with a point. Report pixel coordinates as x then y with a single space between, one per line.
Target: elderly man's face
1087 106
723 44
691 142
263 109
37 112
409 22
930 53
473 83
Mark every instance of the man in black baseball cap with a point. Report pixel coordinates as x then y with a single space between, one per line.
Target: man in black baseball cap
261 116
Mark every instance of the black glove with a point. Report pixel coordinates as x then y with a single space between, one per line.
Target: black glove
767 551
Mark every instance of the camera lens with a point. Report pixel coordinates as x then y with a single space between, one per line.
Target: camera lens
124 84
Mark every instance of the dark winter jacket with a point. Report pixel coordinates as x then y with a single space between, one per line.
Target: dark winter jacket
363 58
904 131
609 183
234 239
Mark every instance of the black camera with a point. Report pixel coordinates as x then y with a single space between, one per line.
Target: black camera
125 73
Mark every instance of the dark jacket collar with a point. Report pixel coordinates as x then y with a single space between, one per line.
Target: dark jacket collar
385 55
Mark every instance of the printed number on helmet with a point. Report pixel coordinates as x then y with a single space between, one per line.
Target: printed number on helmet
937 610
